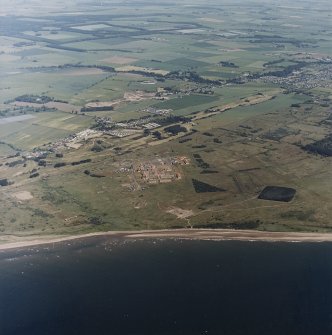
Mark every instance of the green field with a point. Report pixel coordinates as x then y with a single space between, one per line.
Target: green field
253 81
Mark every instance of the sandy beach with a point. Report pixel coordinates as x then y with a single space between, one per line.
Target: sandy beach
12 241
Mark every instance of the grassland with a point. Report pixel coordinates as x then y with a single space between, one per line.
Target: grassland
245 89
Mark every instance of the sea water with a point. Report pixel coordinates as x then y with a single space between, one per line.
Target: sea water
116 286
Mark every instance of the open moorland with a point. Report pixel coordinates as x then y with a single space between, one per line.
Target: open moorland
142 116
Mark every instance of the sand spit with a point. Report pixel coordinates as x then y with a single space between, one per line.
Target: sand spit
12 241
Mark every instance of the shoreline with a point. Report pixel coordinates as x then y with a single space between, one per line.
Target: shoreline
15 242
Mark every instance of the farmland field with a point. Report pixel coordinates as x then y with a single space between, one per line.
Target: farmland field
220 100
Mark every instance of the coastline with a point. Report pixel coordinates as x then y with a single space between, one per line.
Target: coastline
15 242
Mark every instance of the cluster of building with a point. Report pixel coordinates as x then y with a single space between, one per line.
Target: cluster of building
207 90
156 172
121 132
135 124
160 170
180 160
35 154
315 76
74 141
156 111
151 125
152 172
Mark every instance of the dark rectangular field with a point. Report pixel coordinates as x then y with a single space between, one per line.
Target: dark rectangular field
277 193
